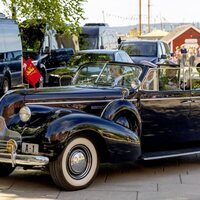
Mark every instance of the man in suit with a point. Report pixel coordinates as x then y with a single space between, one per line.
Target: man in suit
116 73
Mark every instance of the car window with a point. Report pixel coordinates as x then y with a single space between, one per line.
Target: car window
142 48
88 74
192 78
118 57
150 81
9 56
160 50
169 78
167 49
120 75
125 57
80 59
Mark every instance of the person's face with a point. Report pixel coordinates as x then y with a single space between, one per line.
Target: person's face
114 71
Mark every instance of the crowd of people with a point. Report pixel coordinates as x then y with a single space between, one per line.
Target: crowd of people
186 56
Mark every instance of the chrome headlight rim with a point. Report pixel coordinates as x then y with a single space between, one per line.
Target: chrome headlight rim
25 114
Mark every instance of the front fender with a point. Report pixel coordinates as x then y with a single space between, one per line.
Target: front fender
121 143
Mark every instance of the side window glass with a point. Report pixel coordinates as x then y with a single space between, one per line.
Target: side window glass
151 81
118 57
194 80
17 55
169 79
159 50
9 56
1 57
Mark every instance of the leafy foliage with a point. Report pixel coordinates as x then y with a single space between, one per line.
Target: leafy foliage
62 15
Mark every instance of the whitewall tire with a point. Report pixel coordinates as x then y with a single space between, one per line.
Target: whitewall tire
77 166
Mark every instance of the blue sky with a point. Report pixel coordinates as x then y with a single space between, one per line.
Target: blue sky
125 12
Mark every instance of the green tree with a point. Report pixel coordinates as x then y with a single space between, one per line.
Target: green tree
57 13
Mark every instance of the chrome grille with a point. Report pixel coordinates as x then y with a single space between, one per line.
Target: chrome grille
3 146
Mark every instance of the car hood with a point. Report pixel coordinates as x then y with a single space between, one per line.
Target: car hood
72 93
59 95
137 60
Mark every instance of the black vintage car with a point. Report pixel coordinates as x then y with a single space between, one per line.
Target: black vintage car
114 112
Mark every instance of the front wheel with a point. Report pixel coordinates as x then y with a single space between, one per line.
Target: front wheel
77 165
5 85
6 169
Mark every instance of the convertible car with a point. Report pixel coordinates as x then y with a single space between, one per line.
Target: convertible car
152 112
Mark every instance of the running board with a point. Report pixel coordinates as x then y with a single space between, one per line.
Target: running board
169 154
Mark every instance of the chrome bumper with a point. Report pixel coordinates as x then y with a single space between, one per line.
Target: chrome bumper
21 159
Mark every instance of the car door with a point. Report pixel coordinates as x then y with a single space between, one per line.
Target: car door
164 111
194 84
14 65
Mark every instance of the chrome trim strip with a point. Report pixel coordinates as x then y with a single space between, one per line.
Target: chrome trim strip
167 99
77 102
69 102
107 101
24 159
170 156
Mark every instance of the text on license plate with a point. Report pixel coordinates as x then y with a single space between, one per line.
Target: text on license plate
30 148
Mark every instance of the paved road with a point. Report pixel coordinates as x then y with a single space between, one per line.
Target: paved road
171 179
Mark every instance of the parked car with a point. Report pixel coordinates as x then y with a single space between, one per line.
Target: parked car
63 76
154 51
10 55
151 113
47 49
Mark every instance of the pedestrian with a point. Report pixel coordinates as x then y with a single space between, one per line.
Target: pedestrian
191 55
183 55
198 51
177 55
119 40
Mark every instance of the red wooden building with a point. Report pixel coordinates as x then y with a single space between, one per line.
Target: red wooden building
185 34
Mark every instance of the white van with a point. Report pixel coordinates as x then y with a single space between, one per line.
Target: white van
10 55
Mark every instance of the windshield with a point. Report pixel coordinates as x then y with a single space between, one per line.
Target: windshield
80 59
87 41
110 74
143 49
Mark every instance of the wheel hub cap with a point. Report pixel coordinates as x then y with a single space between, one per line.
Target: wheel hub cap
78 162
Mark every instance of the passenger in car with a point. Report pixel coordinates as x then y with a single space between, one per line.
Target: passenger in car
116 73
193 81
170 80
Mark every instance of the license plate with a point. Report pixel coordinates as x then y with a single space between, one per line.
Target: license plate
30 148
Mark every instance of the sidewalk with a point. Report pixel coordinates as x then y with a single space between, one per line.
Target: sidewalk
171 179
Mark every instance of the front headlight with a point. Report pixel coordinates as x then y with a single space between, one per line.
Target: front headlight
25 114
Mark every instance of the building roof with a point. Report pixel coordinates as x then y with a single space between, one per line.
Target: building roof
178 31
156 33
